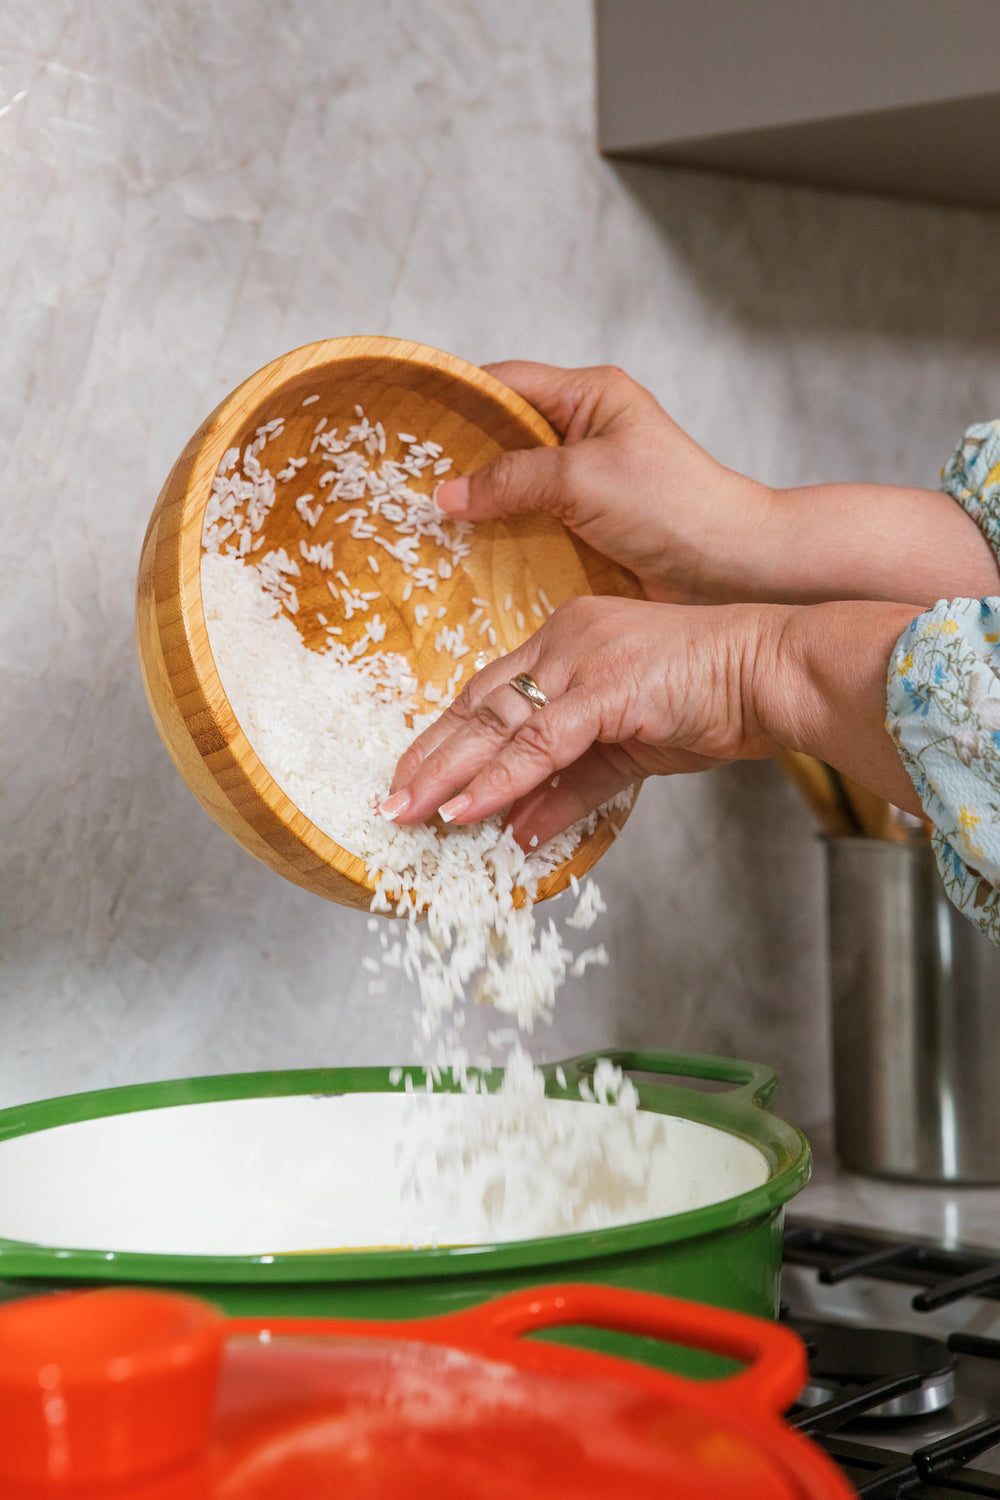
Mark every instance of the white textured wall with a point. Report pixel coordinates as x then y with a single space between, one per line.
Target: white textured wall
188 190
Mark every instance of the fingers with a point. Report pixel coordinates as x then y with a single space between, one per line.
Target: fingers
506 749
523 480
594 779
579 404
513 710
550 389
576 402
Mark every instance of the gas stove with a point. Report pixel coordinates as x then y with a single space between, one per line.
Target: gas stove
903 1335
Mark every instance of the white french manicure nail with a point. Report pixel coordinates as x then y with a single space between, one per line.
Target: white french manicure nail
394 805
449 811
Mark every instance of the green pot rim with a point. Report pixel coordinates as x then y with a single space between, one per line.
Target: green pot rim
739 1111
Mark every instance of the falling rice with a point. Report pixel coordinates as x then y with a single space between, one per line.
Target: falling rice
330 725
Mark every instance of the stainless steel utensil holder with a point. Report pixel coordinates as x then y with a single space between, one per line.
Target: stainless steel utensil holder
915 998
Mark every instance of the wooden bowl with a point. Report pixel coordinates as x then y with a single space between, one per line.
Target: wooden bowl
410 389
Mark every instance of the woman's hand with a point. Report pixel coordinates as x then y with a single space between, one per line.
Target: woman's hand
638 689
629 482
635 689
639 490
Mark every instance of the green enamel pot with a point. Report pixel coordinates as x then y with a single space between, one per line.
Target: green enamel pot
86 1178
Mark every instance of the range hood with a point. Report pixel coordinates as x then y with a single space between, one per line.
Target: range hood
898 97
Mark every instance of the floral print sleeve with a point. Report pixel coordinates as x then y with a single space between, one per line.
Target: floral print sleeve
943 705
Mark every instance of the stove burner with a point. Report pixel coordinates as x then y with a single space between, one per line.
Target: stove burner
844 1358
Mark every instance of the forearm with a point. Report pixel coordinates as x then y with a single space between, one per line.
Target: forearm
867 541
820 687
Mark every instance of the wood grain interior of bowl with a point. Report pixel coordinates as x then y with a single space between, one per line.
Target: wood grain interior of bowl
411 389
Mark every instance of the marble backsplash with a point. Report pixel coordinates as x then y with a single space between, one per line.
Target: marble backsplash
187 191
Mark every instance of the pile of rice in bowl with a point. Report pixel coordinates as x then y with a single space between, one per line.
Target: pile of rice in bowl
330 723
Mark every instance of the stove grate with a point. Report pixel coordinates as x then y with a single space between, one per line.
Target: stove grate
881 1474
943 1273
830 1416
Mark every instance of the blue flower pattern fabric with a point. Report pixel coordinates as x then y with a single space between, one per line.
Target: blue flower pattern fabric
943 703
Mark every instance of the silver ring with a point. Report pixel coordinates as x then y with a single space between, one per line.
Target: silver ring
528 688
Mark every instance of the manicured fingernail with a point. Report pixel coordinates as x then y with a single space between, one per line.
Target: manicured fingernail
449 811
394 805
453 496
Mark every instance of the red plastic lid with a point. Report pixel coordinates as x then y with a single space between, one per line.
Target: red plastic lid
112 1393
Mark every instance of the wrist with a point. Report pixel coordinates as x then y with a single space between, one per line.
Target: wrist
791 549
736 531
821 688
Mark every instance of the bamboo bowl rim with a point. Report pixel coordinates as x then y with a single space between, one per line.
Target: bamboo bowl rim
186 695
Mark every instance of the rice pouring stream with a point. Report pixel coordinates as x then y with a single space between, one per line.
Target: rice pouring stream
329 725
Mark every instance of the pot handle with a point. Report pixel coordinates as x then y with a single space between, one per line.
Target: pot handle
774 1357
755 1082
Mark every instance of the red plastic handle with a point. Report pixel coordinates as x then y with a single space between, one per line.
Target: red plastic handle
774 1356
